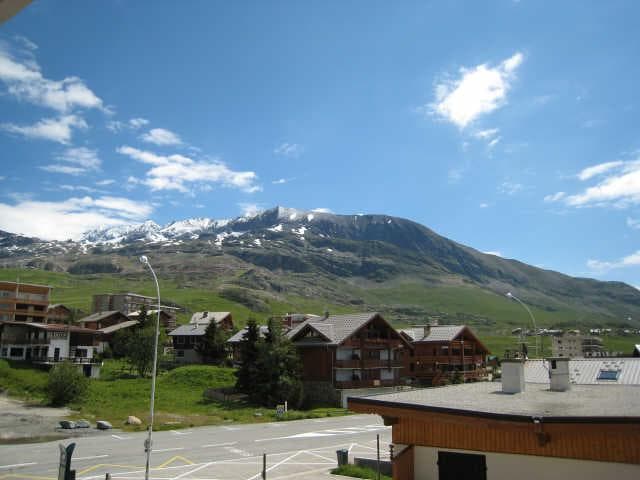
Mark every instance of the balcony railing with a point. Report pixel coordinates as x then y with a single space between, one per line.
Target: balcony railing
25 341
74 360
368 363
366 383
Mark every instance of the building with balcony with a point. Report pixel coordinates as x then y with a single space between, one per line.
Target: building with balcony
576 345
48 344
441 353
186 339
24 302
126 303
350 351
58 313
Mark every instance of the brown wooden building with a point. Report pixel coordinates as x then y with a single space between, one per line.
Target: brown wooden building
24 302
476 431
350 351
441 352
59 313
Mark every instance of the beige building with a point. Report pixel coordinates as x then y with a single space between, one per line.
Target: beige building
573 345
24 302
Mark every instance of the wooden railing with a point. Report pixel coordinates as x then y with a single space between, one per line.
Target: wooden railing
366 383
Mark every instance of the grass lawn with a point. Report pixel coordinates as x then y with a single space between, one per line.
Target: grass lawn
179 397
358 472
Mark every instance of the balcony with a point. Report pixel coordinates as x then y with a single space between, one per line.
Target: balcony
366 383
368 363
25 341
74 360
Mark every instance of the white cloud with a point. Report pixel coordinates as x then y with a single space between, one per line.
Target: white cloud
161 136
115 126
632 260
79 188
138 122
322 210
107 181
479 90
82 159
25 81
494 142
55 129
487 134
554 197
292 150
454 175
597 170
633 223
280 181
484 205
69 218
176 172
510 188
620 188
250 209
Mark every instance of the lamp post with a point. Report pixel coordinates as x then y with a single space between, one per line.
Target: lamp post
147 444
533 320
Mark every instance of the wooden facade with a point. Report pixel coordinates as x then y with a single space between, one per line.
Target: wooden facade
24 302
438 362
615 439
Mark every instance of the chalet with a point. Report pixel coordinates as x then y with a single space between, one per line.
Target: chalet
49 343
236 340
186 338
350 351
99 320
439 353
224 320
480 431
167 319
59 313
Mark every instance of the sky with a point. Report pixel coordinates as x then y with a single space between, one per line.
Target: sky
509 126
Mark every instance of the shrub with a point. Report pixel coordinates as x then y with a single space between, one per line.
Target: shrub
65 384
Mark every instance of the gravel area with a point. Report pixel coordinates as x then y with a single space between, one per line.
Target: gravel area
21 422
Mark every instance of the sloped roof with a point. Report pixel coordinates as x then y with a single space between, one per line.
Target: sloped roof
51 327
57 305
205 317
335 328
95 317
190 329
237 337
437 333
118 326
585 371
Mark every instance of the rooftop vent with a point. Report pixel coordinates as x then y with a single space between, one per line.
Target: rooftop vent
559 374
512 375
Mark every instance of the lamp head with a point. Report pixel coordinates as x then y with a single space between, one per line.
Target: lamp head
144 260
509 294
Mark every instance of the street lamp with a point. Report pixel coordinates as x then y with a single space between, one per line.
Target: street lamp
533 319
147 444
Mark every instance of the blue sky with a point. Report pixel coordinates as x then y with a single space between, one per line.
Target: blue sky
509 126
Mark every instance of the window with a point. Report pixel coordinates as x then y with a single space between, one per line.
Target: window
608 375
179 353
16 352
452 466
180 340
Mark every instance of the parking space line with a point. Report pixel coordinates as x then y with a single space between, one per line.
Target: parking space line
161 450
228 444
17 465
91 458
276 465
193 471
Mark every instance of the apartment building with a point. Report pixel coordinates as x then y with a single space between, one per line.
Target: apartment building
24 302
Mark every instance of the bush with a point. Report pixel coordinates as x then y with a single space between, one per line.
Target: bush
358 472
65 384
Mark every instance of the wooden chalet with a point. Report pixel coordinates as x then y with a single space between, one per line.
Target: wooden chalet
58 313
350 351
441 352
224 320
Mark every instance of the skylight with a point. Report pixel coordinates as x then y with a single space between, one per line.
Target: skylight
608 375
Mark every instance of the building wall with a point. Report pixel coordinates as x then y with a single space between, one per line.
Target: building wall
187 356
501 466
24 302
317 363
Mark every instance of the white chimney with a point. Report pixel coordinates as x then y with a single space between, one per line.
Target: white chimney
512 376
559 374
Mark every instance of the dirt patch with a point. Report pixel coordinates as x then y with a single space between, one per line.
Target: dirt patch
21 422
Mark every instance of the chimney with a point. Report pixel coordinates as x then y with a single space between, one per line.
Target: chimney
512 375
559 374
426 330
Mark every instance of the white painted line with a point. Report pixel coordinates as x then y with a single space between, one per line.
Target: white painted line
319 420
167 450
175 432
219 445
118 437
231 429
275 465
91 458
197 469
16 465
350 447
237 451
332 460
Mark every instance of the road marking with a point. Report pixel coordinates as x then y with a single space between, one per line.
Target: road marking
276 465
91 458
118 437
175 432
17 465
100 465
321 456
167 449
231 429
25 477
174 459
185 474
237 451
219 444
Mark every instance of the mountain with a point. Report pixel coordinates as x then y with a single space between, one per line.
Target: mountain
282 258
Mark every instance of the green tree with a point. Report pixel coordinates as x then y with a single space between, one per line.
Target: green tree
213 345
65 384
136 346
143 317
279 367
247 374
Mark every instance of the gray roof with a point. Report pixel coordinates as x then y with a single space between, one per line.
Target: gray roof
584 371
437 333
336 328
487 399
237 338
95 317
205 317
190 329
118 326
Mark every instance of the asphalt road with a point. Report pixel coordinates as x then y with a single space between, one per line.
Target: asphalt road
296 449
